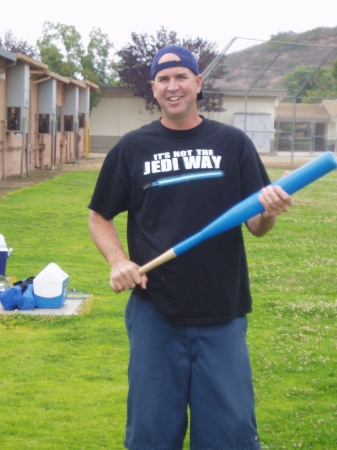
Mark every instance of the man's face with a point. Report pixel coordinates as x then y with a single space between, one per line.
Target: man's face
176 90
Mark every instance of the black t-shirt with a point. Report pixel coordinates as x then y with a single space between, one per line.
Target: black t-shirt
173 183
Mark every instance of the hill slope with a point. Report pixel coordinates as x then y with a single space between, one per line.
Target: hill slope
265 64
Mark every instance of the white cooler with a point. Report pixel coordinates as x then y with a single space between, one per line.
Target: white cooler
50 287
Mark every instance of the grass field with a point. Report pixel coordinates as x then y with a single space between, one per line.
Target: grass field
64 379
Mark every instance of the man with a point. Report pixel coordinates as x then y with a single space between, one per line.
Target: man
186 319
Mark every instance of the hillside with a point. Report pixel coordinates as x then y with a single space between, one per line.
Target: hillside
264 64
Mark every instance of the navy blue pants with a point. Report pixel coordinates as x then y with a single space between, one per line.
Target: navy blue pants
205 368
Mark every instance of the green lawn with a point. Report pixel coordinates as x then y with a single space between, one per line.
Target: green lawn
64 379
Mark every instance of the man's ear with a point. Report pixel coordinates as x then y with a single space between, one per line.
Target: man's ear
199 83
153 89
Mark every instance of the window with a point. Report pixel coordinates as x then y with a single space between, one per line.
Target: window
68 123
13 119
58 118
81 120
44 123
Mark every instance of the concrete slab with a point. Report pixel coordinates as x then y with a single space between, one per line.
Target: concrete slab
69 308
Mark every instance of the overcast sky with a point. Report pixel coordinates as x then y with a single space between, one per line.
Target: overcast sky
217 21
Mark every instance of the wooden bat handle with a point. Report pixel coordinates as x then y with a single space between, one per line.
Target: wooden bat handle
161 259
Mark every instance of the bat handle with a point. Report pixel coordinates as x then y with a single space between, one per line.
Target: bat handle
161 259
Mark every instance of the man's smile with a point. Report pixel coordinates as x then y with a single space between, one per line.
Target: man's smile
174 99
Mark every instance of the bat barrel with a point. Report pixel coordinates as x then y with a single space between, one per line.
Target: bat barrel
251 206
308 173
188 243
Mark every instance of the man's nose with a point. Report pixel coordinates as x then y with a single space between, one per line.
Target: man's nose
173 85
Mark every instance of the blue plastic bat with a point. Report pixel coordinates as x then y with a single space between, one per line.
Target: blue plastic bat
249 207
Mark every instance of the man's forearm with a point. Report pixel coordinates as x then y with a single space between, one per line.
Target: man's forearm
260 224
124 273
105 237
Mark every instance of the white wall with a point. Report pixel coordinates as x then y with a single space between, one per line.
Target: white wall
116 115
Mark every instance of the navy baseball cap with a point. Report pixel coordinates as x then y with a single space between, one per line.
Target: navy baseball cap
186 60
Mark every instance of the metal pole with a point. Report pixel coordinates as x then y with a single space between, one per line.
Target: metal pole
293 132
28 148
87 138
53 145
23 145
313 133
277 135
209 68
76 142
246 101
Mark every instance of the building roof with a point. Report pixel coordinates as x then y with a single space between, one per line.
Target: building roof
83 84
4 54
273 93
303 111
91 85
331 107
31 62
78 83
45 75
41 70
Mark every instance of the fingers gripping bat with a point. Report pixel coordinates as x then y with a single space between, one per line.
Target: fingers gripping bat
248 208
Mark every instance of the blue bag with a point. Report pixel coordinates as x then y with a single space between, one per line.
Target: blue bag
10 298
27 300
20 296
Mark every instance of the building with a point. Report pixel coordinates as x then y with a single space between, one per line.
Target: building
311 126
264 117
44 116
119 111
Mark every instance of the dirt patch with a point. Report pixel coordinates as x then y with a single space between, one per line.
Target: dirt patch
13 183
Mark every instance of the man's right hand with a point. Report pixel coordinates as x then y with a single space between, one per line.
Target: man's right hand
124 273
124 276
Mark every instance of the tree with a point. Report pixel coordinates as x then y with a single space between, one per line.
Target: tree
62 50
135 60
334 70
308 88
96 63
12 44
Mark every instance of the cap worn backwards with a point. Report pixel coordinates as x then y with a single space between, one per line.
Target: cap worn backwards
186 60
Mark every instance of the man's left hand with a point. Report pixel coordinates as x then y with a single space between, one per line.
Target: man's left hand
275 201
